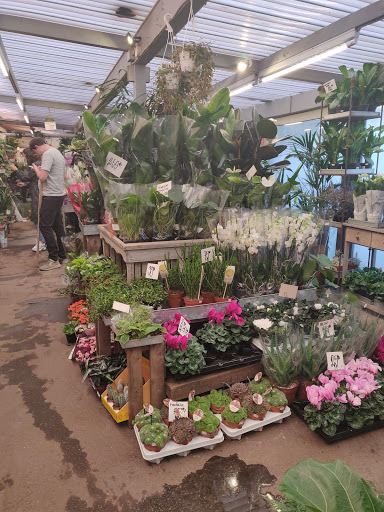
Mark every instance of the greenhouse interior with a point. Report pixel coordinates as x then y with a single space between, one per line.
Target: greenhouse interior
191 255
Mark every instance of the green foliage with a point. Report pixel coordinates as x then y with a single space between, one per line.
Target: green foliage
209 422
104 369
137 326
191 271
219 397
276 398
234 417
154 433
141 418
368 282
259 386
333 486
174 274
69 327
280 359
188 362
199 402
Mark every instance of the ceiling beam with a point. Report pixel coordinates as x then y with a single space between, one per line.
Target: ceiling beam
33 125
49 30
43 103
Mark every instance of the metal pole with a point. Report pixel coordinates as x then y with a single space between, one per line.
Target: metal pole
381 124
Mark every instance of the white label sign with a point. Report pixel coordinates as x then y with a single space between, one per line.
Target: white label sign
119 306
152 271
326 328
335 360
198 415
330 86
191 395
258 376
288 291
184 327
258 399
115 227
234 406
229 275
148 408
164 188
50 125
115 164
250 174
207 254
177 410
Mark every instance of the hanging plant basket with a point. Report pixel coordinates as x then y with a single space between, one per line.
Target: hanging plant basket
187 64
172 81
50 123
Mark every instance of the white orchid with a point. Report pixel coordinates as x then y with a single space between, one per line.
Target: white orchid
268 182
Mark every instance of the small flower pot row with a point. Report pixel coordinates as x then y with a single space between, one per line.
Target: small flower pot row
176 298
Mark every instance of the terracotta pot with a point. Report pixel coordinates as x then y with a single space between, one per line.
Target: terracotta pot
233 424
280 408
203 433
222 299
289 391
183 442
192 302
152 448
217 410
256 417
175 298
208 297
301 394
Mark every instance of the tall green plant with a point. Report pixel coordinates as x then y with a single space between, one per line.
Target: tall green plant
191 271
280 360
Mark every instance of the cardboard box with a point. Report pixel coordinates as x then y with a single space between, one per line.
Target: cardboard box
123 413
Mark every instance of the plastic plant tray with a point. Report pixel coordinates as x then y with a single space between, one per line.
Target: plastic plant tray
172 448
252 425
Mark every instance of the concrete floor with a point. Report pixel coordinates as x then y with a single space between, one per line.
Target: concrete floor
60 450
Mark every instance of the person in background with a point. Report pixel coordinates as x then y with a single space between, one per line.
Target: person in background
33 181
51 174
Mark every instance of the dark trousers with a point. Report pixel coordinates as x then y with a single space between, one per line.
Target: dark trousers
51 226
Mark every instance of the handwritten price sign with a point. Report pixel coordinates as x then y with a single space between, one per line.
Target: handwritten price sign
184 327
288 291
326 328
164 188
152 271
330 86
207 254
177 410
115 165
335 361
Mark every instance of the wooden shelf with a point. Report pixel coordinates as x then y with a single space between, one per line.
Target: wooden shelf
356 115
341 172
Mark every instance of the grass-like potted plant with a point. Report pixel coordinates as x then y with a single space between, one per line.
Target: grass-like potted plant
175 288
191 276
154 436
233 419
182 430
208 425
219 400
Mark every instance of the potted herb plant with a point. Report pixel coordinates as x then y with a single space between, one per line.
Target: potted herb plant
191 276
175 291
208 425
233 419
182 430
142 418
154 436
219 400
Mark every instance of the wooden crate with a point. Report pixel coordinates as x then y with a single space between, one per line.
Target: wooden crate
91 238
132 259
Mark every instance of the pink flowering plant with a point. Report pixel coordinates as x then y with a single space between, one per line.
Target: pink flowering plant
378 354
354 395
225 329
85 348
184 355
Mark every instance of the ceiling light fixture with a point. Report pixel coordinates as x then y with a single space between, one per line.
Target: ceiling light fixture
26 118
239 90
242 65
31 131
3 66
307 129
131 40
19 102
307 58
296 122
79 117
97 89
86 106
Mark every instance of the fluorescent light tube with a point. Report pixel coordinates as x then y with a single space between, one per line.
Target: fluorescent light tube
32 132
3 67
239 90
290 124
306 62
19 102
307 129
26 118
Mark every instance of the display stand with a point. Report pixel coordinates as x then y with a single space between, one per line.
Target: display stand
133 258
91 238
366 236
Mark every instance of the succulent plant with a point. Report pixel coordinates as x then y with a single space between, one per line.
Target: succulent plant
156 433
209 422
116 399
110 390
141 418
219 398
121 400
238 391
234 417
252 408
120 386
276 398
125 393
259 386
199 402
182 429
164 411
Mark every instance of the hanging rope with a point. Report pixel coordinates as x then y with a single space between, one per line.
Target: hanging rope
170 38
190 22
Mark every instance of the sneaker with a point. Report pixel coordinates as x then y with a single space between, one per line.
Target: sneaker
42 247
50 265
63 261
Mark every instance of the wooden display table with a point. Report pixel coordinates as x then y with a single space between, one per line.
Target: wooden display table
133 258
91 238
366 236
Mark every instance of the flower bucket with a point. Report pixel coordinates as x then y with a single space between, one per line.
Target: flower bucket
175 298
289 391
192 302
187 65
360 208
71 338
374 200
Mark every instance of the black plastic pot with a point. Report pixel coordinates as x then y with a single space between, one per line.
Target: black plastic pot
335 166
351 165
71 338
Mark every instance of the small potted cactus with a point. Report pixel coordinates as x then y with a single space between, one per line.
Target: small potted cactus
142 418
154 436
117 399
277 400
238 391
233 419
199 402
219 399
208 425
256 406
182 430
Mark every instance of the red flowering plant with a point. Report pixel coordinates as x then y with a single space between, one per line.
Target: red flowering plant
78 311
224 330
378 354
185 355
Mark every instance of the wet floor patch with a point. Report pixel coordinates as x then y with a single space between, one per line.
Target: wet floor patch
48 309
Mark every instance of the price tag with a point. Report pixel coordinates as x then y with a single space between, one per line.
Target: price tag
177 410
149 409
250 174
326 328
163 269
258 399
229 275
207 254
164 188
288 291
234 406
258 376
152 271
198 415
267 391
330 86
191 395
115 227
184 327
115 165
119 306
50 125
335 360
166 402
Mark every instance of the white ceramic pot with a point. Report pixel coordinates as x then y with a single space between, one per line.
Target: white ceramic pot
187 65
172 82
374 200
360 208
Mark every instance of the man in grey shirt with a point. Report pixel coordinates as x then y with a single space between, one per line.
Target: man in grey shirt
51 174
